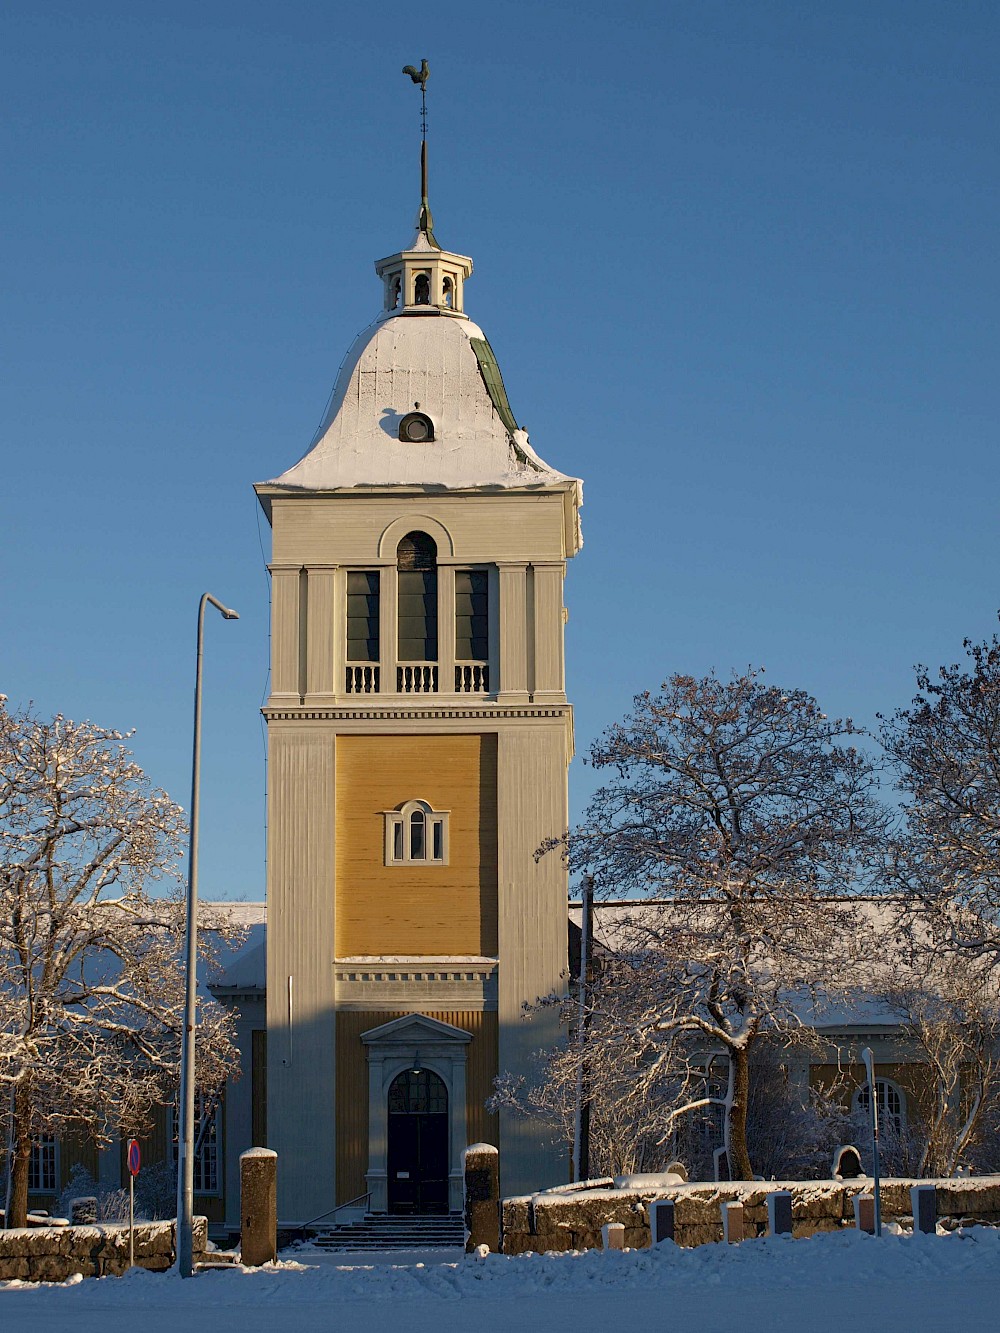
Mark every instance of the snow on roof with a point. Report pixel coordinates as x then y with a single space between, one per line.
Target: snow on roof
429 359
243 968
848 1002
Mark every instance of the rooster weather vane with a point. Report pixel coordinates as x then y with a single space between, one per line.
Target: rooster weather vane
419 76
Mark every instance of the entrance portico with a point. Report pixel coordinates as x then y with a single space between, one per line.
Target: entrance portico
411 1043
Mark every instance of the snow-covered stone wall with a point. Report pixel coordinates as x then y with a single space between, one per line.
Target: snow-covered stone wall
559 1221
52 1254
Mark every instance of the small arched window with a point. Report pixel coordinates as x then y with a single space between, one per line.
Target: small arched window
416 834
395 290
891 1104
448 292
422 289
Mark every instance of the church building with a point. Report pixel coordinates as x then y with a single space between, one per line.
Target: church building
418 742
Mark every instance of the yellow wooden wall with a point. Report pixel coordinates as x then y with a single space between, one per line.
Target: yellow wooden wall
416 909
914 1080
352 1086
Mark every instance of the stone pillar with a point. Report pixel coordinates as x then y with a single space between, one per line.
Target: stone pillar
732 1223
613 1235
258 1206
661 1221
923 1200
481 1165
779 1213
864 1213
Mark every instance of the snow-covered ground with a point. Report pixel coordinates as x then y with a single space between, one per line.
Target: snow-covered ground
832 1282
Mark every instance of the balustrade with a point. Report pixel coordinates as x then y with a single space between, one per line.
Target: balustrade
417 678
362 679
472 678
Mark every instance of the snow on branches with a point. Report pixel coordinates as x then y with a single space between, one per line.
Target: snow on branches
743 819
946 747
91 976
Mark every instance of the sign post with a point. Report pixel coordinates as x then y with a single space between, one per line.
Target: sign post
134 1162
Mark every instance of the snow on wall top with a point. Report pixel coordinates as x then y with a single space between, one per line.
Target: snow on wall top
394 364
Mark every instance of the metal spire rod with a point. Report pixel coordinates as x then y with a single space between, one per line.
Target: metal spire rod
419 76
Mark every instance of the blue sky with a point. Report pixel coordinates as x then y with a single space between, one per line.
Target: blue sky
737 261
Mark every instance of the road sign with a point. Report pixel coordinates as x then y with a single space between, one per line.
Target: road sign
134 1157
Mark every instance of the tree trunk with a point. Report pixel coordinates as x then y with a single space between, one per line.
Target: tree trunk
739 1155
21 1140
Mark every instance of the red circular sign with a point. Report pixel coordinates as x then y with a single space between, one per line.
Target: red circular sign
134 1157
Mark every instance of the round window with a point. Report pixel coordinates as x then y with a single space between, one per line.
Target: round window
416 428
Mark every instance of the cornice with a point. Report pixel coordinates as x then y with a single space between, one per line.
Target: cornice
438 713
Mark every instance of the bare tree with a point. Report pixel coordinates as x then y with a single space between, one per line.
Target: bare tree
658 1093
747 817
950 1016
91 980
946 746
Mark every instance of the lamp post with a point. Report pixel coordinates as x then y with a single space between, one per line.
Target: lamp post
185 1128
869 1060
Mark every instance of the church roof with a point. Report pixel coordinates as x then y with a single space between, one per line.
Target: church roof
441 365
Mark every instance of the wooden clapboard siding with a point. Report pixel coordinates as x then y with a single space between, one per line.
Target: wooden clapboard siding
914 1081
483 528
416 909
352 1086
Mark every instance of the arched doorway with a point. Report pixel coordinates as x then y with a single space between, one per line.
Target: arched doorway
418 1143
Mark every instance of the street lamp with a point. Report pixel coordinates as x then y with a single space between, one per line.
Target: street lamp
185 1129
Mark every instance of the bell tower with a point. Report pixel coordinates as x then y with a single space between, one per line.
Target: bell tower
418 739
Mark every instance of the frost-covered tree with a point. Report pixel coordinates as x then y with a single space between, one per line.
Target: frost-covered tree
744 817
946 747
91 977
658 1098
949 1014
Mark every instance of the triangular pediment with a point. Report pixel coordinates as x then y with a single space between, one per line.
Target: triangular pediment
412 1029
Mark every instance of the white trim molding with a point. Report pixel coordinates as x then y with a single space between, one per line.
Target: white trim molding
404 845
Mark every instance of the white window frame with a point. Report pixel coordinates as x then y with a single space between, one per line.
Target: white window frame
398 847
884 1088
209 1159
44 1165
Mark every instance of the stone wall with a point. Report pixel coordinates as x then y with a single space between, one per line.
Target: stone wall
52 1254
573 1221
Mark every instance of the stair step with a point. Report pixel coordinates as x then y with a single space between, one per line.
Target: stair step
394 1233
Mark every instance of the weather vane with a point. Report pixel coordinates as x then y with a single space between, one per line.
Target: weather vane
419 76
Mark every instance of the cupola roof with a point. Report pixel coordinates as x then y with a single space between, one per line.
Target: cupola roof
419 401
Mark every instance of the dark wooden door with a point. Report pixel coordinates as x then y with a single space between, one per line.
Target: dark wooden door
417 1163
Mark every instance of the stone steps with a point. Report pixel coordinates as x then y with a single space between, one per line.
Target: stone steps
378 1233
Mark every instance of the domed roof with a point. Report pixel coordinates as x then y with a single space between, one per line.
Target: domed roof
436 363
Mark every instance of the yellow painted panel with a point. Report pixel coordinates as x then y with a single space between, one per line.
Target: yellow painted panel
352 1086
416 909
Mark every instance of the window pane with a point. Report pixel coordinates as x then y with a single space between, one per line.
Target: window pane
397 841
362 615
471 615
417 592
417 829
206 1159
438 841
42 1165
